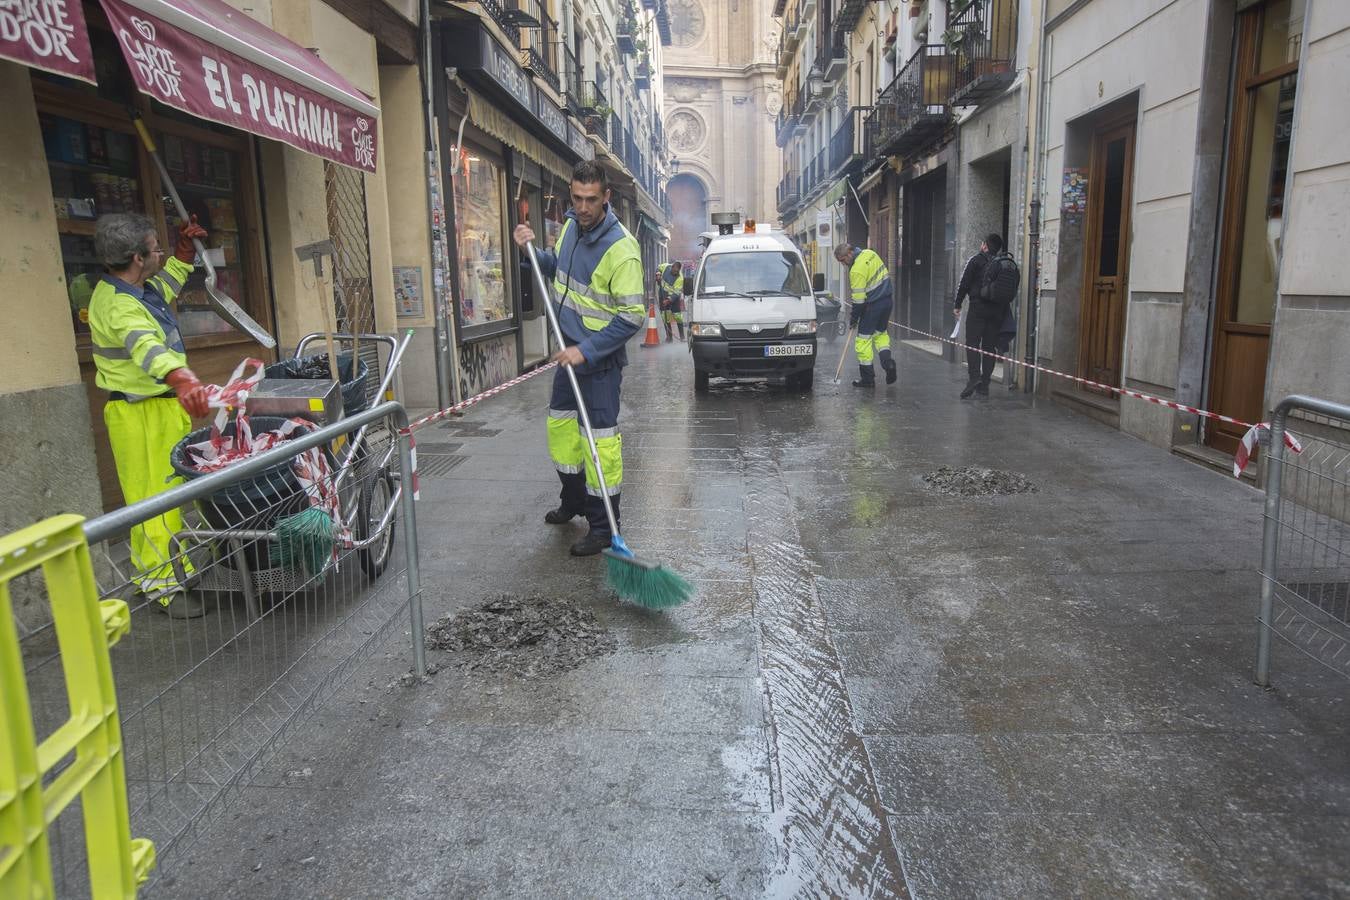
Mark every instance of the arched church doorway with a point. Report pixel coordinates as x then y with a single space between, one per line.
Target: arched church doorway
688 216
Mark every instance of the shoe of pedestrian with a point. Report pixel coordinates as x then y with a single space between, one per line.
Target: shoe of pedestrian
891 373
591 544
180 605
559 516
969 389
982 389
865 377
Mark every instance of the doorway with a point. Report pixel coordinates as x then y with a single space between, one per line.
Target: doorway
1107 253
922 254
1266 77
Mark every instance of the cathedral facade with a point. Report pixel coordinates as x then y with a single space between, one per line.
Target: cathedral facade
721 97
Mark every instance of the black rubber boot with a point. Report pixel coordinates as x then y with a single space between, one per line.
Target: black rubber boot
573 497
560 516
669 337
866 378
594 542
680 326
888 363
970 387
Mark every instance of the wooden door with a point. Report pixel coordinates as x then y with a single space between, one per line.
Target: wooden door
1107 254
1253 207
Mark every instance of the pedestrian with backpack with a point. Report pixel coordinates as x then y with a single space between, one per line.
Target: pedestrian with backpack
990 303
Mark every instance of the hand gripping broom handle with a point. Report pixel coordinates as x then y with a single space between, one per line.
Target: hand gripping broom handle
542 287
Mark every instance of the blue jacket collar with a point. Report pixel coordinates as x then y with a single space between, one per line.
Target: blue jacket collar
125 287
600 230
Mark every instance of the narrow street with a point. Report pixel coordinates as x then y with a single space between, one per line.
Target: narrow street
878 690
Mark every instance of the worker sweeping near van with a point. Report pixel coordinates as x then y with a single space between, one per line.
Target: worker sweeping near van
873 297
596 268
670 287
141 363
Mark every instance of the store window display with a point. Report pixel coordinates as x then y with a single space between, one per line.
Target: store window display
479 222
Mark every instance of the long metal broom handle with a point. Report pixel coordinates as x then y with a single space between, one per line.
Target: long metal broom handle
542 287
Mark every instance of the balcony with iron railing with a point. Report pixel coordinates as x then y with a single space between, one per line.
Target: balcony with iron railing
789 118
539 46
789 194
848 145
595 110
571 81
912 111
831 60
848 13
983 39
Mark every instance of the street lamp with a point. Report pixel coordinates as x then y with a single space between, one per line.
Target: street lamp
675 165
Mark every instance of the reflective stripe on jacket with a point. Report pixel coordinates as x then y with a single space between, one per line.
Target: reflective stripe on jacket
868 278
133 348
669 285
598 287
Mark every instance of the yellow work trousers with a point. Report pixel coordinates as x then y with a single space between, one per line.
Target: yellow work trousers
142 435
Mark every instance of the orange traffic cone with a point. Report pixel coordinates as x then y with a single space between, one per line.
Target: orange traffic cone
652 339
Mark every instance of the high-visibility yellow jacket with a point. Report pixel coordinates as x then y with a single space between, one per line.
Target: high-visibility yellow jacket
670 285
135 333
597 284
868 278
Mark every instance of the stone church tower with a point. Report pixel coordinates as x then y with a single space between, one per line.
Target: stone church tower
721 97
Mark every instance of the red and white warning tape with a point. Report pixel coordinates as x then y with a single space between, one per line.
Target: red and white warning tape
1245 448
476 399
451 410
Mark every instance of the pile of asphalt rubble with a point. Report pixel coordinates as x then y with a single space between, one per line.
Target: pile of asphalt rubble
529 637
977 481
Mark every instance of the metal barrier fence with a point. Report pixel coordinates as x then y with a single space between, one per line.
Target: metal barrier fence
1305 549
204 701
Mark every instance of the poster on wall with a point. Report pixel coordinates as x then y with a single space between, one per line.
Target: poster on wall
1073 195
825 228
408 292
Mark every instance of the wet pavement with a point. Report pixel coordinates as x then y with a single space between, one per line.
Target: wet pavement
880 689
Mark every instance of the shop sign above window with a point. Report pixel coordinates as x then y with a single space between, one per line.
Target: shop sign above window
207 59
47 34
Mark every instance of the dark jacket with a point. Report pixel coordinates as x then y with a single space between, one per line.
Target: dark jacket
972 277
998 288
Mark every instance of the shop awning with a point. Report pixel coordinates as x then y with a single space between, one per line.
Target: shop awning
208 59
50 35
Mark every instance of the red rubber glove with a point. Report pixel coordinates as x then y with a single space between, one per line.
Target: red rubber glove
185 249
191 392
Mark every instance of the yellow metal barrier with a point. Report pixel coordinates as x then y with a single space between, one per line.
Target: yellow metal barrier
85 628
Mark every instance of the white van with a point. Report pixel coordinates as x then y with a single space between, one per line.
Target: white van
752 313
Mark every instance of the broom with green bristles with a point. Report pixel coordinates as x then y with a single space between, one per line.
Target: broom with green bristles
645 583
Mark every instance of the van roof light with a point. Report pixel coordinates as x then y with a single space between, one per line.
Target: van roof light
726 222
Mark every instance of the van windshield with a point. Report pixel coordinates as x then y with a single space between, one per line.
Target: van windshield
754 273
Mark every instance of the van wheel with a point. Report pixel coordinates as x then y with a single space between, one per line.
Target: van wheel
803 381
700 381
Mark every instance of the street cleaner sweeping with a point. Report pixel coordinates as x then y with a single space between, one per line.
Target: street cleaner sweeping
670 285
141 363
595 308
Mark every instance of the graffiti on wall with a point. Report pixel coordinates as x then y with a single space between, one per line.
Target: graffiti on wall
486 364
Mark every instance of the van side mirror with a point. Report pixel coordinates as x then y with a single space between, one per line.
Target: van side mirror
688 289
818 282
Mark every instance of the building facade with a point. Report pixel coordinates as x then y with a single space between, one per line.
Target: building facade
260 183
1152 166
415 180
523 92
720 97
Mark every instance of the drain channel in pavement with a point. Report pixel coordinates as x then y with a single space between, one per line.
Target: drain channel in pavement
529 637
977 481
835 841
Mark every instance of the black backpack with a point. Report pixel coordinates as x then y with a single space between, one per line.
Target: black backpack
1001 280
